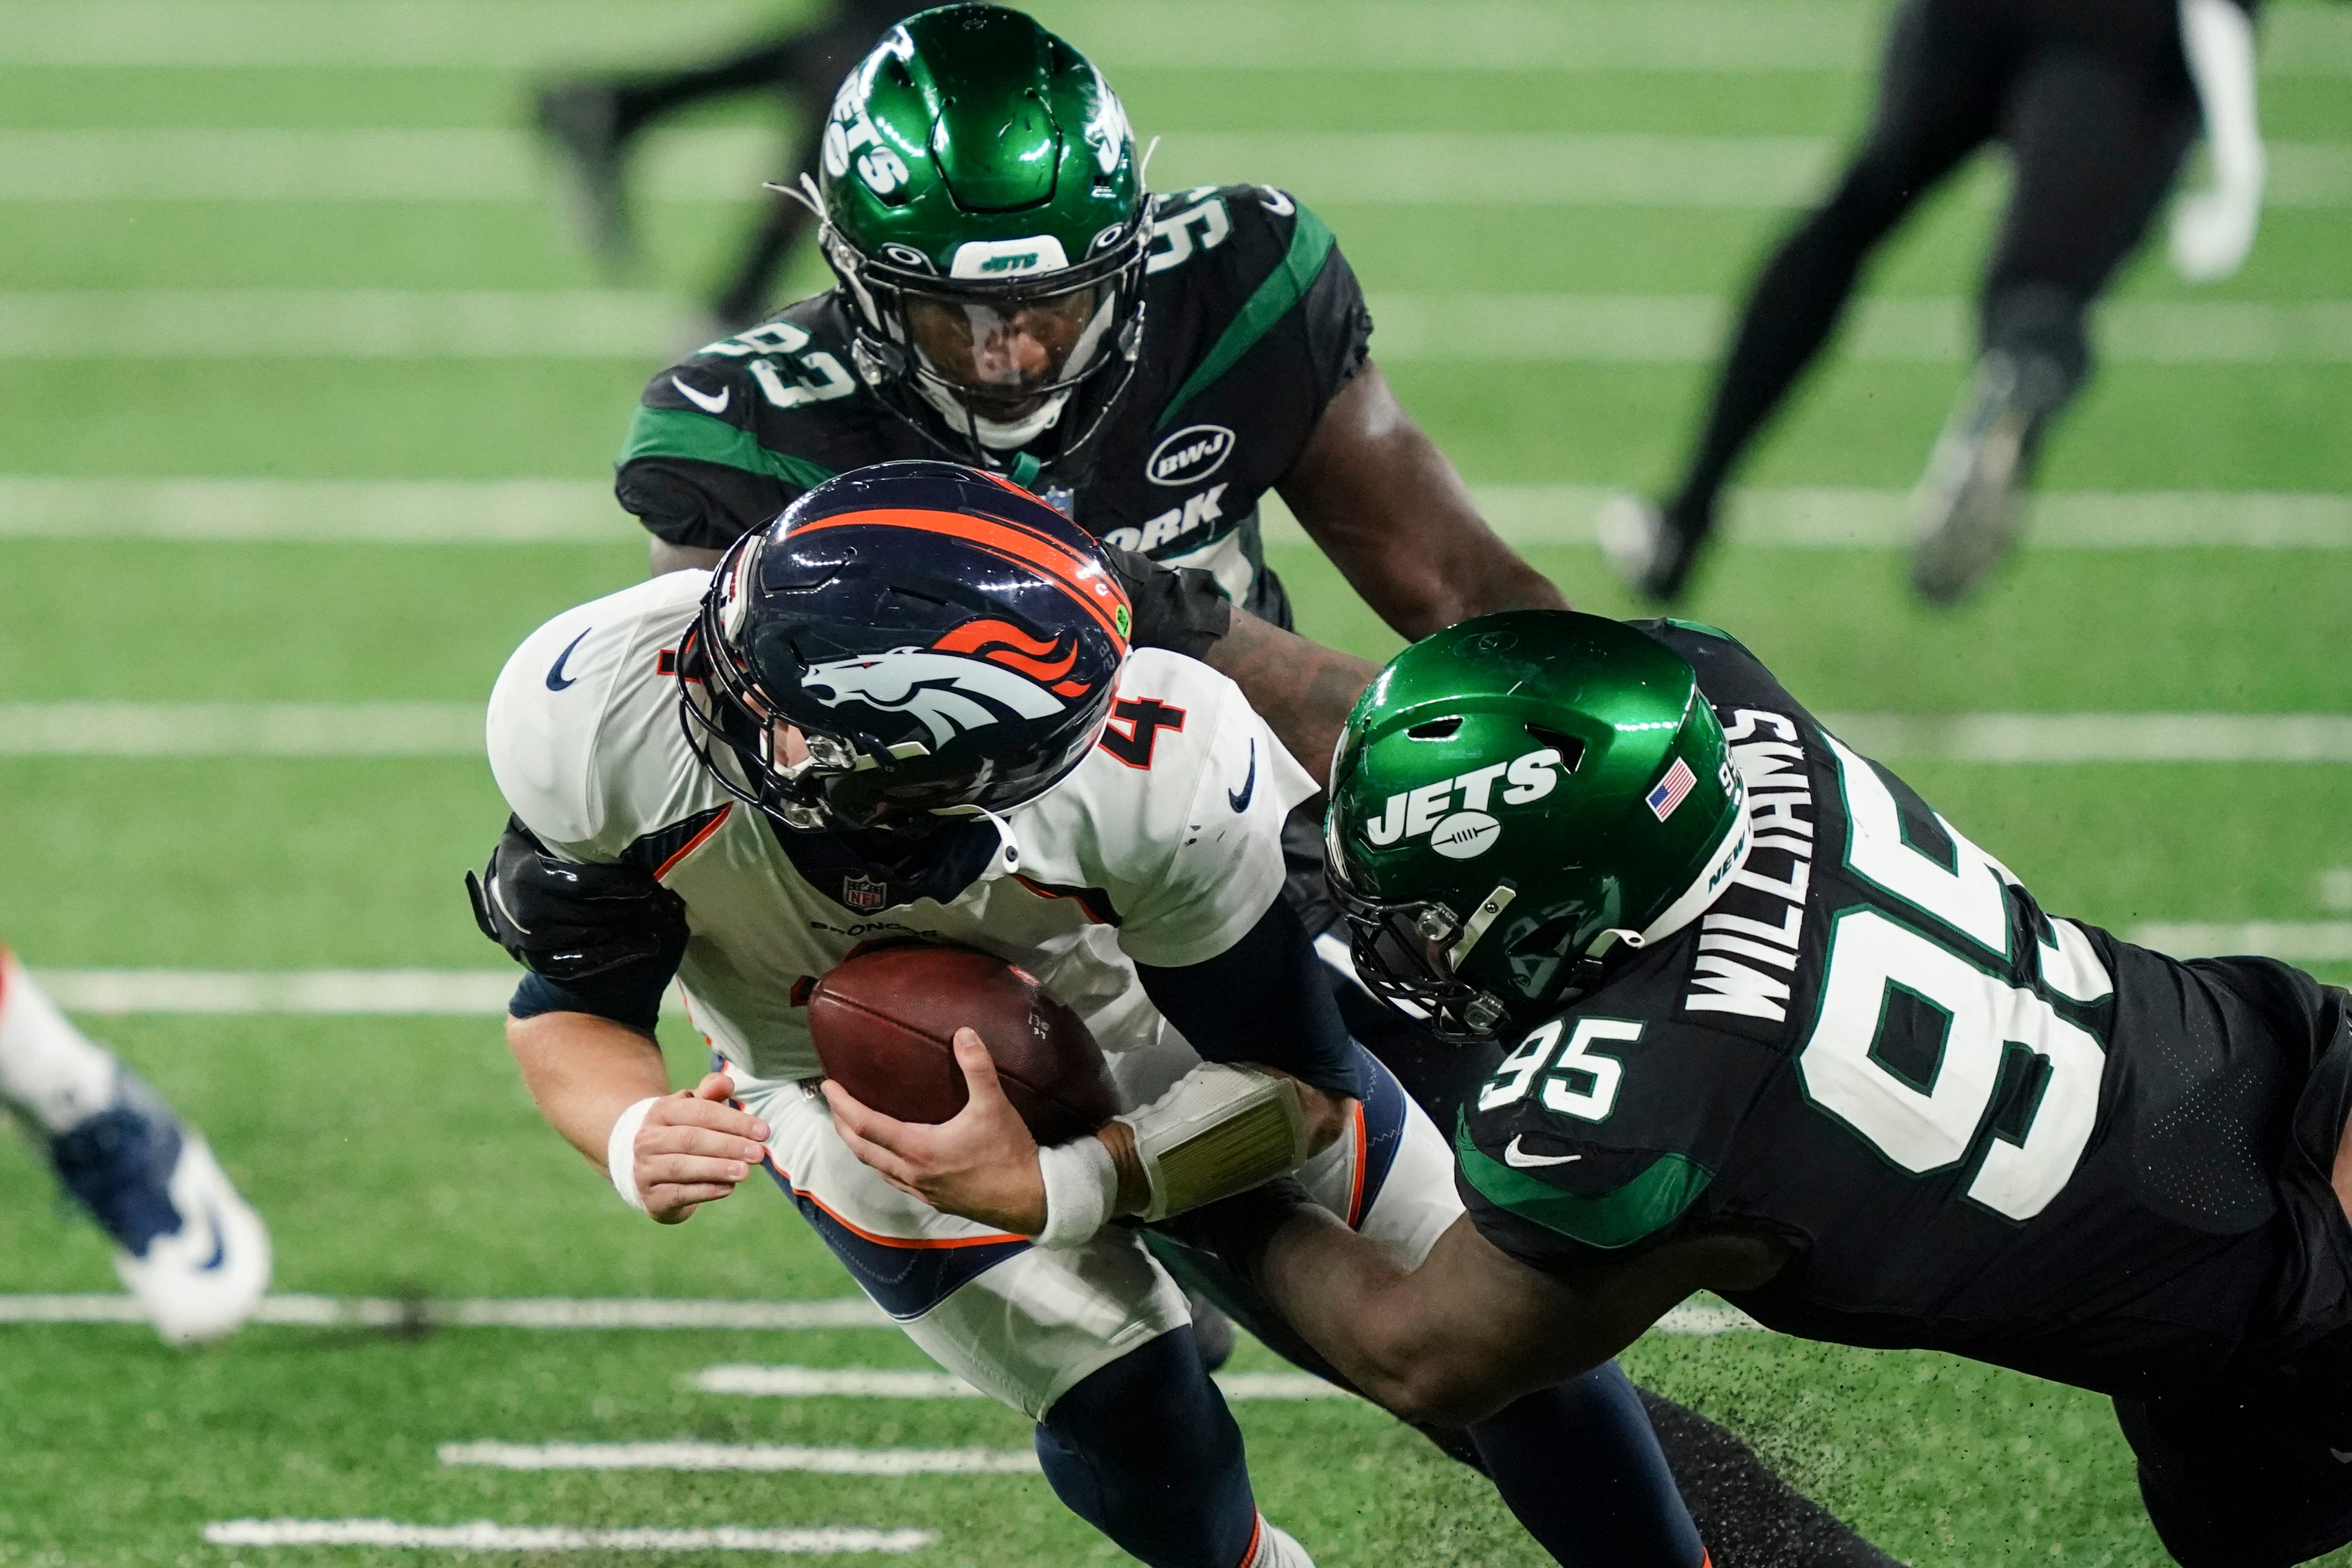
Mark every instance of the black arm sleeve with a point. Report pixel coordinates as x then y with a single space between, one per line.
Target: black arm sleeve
1264 999
698 504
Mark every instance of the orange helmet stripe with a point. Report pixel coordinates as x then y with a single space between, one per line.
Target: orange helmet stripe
1078 576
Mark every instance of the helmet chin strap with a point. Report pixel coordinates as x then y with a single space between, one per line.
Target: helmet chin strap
990 434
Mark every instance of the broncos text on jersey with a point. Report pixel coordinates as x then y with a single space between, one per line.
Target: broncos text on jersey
1163 848
1985 1129
1252 321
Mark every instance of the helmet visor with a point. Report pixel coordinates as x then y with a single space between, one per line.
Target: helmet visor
1006 354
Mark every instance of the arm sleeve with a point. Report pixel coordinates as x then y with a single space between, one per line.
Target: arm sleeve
630 996
1264 1001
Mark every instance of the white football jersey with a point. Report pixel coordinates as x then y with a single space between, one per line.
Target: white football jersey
1162 847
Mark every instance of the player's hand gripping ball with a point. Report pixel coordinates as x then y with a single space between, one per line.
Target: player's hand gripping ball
883 1024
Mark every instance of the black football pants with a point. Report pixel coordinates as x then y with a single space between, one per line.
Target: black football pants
2094 102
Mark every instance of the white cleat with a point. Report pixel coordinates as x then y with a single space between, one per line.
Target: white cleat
203 1281
190 1250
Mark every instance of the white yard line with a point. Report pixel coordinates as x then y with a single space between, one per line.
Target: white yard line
328 730
582 511
562 1313
2044 738
116 993
1551 329
483 1536
1389 168
241 729
1713 36
546 1313
685 1456
351 511
878 1383
1541 329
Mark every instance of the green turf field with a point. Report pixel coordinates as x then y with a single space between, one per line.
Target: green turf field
396 1157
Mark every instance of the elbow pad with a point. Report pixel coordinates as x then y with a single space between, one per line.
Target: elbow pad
568 921
1219 1129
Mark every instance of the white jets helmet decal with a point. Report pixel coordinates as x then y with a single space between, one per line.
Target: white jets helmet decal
949 692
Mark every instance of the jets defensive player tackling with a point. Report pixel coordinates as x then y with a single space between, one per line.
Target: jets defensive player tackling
1784 1032
907 710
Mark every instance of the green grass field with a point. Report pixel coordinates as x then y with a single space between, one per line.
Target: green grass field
396 1156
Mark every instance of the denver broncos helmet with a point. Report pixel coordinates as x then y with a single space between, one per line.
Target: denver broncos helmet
945 643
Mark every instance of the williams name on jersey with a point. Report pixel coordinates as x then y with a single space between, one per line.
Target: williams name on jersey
1252 321
1983 1128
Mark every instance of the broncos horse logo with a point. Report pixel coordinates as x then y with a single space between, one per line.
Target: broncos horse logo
980 674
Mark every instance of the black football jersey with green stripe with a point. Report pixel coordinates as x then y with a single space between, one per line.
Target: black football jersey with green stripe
1252 321
1985 1129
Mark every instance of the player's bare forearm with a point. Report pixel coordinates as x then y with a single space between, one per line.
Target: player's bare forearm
1473 1329
583 1072
1373 490
668 558
1302 689
691 1148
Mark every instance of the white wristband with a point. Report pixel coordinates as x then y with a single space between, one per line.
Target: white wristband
1081 1186
621 1153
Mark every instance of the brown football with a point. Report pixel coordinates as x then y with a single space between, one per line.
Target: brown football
883 1021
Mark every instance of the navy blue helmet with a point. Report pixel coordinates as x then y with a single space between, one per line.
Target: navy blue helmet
944 641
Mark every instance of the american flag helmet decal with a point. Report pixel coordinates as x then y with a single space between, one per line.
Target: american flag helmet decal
1670 790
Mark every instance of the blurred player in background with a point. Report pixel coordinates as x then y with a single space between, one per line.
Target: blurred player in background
593 122
2098 100
191 1251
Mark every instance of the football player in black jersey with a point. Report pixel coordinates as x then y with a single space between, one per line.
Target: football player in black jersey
1012 295
2098 101
1783 1032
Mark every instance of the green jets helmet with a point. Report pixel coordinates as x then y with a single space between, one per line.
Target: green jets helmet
1513 797
985 212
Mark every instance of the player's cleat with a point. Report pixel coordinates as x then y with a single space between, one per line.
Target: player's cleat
1969 507
193 1252
583 119
1648 550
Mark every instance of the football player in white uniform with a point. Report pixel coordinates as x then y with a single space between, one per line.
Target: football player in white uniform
909 710
193 1254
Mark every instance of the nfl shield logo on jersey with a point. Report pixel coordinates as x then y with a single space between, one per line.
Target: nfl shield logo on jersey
863 893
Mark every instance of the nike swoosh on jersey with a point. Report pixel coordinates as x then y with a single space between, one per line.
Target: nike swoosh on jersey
703 400
2340 1456
1519 1159
556 679
1241 797
220 1241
